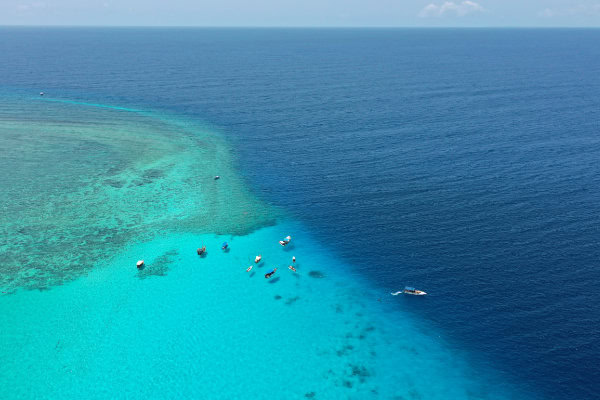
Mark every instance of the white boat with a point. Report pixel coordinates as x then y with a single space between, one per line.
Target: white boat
413 291
410 290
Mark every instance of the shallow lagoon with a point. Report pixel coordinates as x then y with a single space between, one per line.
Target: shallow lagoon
82 180
203 327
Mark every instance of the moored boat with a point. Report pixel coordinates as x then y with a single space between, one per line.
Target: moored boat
270 273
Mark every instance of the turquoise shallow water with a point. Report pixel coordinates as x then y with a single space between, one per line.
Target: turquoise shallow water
205 328
107 187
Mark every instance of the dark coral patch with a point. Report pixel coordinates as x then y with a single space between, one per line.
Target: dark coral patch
114 183
344 350
316 274
160 266
359 371
277 297
153 173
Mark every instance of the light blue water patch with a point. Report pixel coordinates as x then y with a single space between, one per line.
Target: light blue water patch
203 327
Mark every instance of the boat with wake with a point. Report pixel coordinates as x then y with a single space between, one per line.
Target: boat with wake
411 291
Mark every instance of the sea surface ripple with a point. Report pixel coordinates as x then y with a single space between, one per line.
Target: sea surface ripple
463 162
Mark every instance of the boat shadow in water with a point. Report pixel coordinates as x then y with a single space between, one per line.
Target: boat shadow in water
288 247
316 274
274 280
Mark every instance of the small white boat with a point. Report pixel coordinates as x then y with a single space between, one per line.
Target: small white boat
413 291
140 264
410 290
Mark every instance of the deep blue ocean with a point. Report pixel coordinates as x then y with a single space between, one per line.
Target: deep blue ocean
465 162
